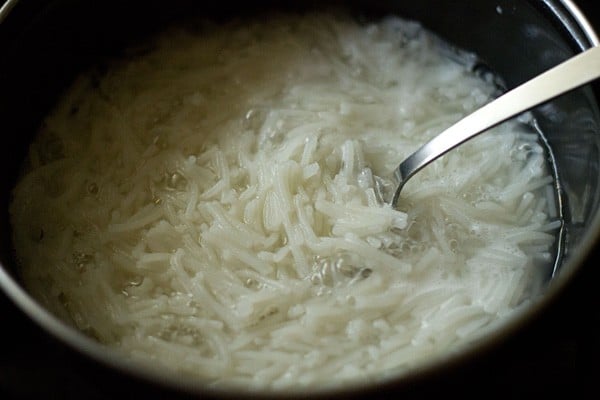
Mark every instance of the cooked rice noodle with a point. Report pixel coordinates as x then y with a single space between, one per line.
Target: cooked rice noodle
218 204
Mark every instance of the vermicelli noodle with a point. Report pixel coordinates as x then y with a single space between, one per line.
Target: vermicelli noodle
218 204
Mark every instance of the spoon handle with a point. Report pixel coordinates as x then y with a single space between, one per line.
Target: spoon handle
569 75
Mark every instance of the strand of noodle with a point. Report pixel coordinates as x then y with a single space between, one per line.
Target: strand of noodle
386 262
146 309
517 283
303 222
527 236
197 284
296 285
253 333
216 190
395 341
553 209
286 343
135 196
493 211
212 306
437 123
498 296
379 304
180 274
491 259
291 334
209 367
348 158
205 323
414 300
273 356
331 367
295 143
248 369
155 262
249 194
469 328
120 257
293 231
530 172
311 170
220 347
310 147
430 258
248 258
403 357
223 282
269 374
425 191
513 192
247 236
192 201
525 204
145 216
449 320
552 225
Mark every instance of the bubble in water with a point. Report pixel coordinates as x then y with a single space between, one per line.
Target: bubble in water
136 281
81 260
160 141
253 119
340 267
92 188
175 180
365 272
252 283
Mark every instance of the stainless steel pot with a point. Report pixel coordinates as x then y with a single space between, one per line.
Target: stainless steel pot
45 43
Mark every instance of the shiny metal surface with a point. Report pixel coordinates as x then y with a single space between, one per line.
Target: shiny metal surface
569 75
6 7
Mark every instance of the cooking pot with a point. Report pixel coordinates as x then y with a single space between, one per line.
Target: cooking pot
44 44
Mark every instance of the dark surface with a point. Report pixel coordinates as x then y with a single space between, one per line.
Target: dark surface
557 355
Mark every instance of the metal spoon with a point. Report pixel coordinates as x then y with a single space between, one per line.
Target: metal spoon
569 75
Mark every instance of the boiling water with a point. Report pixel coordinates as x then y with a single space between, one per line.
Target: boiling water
218 204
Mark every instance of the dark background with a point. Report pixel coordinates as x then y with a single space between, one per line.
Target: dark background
557 355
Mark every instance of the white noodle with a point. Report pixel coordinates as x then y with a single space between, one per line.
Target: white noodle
216 204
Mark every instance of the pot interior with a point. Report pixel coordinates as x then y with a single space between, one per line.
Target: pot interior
46 44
